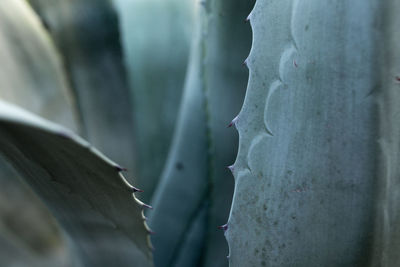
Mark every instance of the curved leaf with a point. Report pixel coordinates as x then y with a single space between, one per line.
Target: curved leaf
86 34
156 37
32 76
85 191
31 72
196 176
316 183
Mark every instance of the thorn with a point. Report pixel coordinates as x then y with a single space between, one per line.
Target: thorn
134 189
138 190
228 257
247 19
147 206
223 227
295 63
245 62
233 122
231 168
120 169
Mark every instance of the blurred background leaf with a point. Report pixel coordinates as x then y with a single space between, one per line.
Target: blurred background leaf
83 189
32 76
87 36
132 89
156 35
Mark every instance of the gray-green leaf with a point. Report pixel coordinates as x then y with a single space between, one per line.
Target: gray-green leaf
317 169
85 191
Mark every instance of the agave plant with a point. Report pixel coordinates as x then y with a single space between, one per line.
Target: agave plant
315 176
83 49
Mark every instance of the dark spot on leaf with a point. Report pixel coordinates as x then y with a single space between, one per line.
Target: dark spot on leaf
179 166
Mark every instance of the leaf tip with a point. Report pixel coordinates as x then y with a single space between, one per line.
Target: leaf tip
120 169
245 63
231 168
233 122
135 189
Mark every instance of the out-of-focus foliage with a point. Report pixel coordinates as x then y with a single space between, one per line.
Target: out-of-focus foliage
316 172
87 36
31 71
29 235
32 76
156 35
83 189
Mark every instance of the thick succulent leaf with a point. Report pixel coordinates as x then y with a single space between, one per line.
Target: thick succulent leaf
33 233
86 33
84 190
387 217
156 38
16 252
189 253
13 253
227 42
316 176
31 73
183 185
196 173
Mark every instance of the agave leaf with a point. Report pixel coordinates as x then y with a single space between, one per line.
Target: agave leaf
316 183
156 38
86 33
85 191
182 187
13 253
31 75
189 253
227 41
196 174
31 72
34 233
